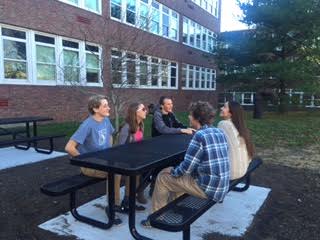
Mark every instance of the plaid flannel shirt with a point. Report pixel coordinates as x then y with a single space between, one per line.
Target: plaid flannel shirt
207 161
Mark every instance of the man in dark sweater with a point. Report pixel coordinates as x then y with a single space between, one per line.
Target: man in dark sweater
165 122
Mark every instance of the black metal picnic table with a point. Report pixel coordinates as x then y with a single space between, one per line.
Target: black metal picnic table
26 120
133 160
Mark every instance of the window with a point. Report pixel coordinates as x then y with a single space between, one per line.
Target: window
155 18
185 31
143 76
91 5
131 12
30 57
154 72
14 54
116 9
173 74
184 75
92 64
131 68
165 22
148 15
174 26
198 36
142 71
164 73
144 21
198 78
211 6
71 63
45 57
116 66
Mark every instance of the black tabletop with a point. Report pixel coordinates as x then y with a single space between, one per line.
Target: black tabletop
23 119
135 158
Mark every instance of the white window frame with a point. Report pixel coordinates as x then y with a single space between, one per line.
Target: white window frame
190 24
28 56
99 83
212 78
205 4
81 4
149 73
149 17
34 66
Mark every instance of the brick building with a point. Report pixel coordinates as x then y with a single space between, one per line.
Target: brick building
55 53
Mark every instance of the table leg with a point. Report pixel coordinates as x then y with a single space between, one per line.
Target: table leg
132 210
35 133
27 135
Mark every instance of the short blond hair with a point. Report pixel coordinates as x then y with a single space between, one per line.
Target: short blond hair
95 102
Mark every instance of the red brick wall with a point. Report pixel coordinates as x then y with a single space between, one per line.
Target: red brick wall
69 103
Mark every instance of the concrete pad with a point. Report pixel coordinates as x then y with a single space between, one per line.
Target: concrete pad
232 218
12 157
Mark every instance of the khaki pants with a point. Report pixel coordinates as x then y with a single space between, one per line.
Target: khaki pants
101 174
169 187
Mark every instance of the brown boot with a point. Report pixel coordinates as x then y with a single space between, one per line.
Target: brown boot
140 198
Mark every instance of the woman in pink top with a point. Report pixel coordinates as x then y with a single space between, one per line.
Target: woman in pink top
132 131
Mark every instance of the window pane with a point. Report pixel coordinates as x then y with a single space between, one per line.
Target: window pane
70 44
46 72
116 70
143 73
185 30
45 54
173 77
13 33
44 39
71 74
154 74
184 75
143 16
92 4
71 58
15 70
92 48
116 11
14 50
131 72
164 73
92 60
92 75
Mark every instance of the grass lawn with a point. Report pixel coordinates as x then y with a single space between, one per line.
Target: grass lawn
295 129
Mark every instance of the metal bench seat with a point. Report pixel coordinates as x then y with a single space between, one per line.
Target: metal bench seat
179 214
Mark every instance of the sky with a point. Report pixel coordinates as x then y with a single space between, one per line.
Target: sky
230 15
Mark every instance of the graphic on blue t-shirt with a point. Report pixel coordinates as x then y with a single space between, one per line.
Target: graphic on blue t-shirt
102 136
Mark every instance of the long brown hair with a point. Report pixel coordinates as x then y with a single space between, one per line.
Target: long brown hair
131 118
237 117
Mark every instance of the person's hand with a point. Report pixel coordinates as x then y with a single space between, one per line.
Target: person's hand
188 131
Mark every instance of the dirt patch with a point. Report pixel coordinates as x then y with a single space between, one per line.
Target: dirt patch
303 158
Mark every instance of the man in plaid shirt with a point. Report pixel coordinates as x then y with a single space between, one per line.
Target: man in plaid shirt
204 172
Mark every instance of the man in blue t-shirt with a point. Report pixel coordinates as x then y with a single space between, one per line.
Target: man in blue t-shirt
94 134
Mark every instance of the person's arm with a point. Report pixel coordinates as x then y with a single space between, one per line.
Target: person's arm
191 159
162 127
123 135
71 148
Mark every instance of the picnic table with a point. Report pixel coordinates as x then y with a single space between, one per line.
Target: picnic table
29 138
133 160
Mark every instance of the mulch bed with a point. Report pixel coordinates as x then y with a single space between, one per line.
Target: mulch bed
290 212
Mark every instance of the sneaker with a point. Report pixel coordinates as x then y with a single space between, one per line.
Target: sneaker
146 223
125 206
141 198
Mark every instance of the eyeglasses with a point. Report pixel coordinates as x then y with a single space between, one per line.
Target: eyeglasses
143 109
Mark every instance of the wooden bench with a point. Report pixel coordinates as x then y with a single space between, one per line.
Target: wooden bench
28 140
70 185
179 214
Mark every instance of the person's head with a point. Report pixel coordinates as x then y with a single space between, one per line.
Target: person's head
234 111
201 113
136 113
98 106
166 104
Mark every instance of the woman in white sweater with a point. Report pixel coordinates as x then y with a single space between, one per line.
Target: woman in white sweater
241 149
